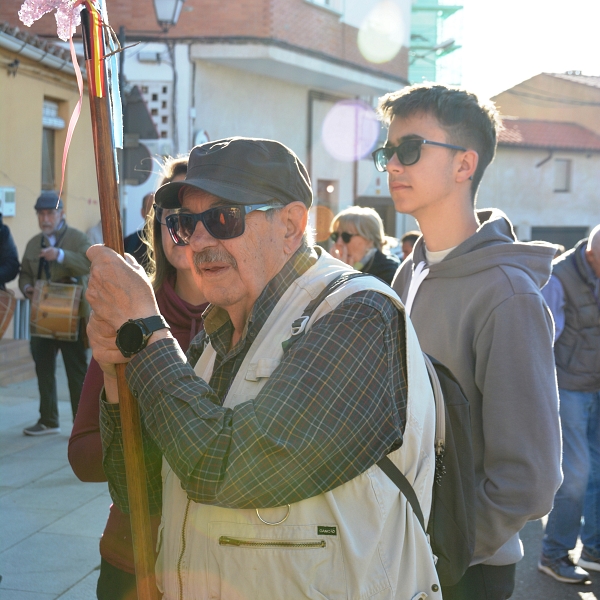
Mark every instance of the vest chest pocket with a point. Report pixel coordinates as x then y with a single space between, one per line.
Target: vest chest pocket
262 369
258 562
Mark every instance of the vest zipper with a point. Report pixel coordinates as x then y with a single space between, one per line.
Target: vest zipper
183 545
227 541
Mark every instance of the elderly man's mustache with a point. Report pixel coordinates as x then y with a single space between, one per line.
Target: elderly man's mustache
213 255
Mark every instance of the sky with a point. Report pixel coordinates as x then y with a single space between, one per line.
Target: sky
508 41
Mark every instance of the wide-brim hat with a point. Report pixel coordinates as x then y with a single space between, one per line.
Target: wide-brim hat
48 200
243 171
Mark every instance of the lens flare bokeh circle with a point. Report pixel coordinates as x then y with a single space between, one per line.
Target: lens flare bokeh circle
350 130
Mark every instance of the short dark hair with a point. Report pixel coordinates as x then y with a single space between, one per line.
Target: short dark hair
410 236
468 121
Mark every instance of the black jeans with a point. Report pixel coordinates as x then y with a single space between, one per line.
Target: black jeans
483 582
44 351
115 584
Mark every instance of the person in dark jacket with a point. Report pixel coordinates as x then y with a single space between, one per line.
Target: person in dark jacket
9 257
359 241
573 296
134 243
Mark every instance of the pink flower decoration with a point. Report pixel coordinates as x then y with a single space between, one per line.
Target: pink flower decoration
67 14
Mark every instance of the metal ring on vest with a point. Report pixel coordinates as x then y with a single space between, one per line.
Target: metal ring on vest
278 522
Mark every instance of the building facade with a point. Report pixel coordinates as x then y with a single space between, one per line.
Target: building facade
546 177
305 72
568 97
436 32
38 92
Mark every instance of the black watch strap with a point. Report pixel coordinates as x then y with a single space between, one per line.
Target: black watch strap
153 323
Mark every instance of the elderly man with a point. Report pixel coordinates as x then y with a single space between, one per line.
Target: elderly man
56 254
269 482
573 295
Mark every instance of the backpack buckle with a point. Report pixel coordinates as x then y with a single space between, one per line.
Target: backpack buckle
299 325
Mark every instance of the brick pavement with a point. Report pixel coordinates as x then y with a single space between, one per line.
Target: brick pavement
51 522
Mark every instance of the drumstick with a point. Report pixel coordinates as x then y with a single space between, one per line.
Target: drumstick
143 550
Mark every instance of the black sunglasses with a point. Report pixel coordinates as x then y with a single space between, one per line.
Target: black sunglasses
161 214
222 222
346 237
408 152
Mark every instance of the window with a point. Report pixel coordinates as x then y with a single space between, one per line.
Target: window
48 159
157 97
562 175
333 5
567 236
51 122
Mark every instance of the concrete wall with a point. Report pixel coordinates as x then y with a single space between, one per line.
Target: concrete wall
21 101
526 193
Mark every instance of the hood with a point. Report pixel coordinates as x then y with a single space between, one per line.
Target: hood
493 244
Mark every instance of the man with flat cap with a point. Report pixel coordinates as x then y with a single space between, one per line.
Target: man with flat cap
57 254
270 430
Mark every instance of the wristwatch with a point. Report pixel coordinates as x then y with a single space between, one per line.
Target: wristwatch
133 336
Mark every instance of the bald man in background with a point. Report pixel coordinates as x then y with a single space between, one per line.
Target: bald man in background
573 295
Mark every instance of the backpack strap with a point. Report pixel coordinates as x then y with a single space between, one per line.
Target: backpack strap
397 476
385 464
299 325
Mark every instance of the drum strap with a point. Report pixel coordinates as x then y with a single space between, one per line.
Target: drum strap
44 264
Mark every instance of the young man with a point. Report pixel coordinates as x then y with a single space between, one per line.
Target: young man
472 291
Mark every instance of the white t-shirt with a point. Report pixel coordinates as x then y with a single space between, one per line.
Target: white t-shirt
433 258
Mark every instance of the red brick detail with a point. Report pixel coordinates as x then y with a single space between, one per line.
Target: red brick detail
293 21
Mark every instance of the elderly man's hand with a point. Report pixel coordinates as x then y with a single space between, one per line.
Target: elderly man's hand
118 289
102 340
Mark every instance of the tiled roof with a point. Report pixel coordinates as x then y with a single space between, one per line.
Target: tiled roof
34 40
591 80
530 133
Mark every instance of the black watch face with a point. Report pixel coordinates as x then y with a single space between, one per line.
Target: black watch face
131 337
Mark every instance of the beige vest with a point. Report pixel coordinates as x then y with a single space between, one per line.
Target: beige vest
360 540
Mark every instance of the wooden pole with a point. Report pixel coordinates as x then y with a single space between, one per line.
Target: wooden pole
143 547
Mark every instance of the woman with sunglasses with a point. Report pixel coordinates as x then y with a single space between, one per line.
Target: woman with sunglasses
359 241
182 304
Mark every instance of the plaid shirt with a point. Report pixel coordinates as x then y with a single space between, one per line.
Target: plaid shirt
335 405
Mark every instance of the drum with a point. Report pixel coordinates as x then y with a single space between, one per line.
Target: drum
55 310
7 309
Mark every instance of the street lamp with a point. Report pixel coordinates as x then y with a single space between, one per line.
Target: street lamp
167 12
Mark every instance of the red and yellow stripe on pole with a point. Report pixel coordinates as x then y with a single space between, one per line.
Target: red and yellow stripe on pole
97 78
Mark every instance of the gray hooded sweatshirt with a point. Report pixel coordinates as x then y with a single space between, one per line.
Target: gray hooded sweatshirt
480 312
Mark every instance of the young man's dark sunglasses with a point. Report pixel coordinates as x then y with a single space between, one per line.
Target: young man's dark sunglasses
346 237
222 222
408 152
